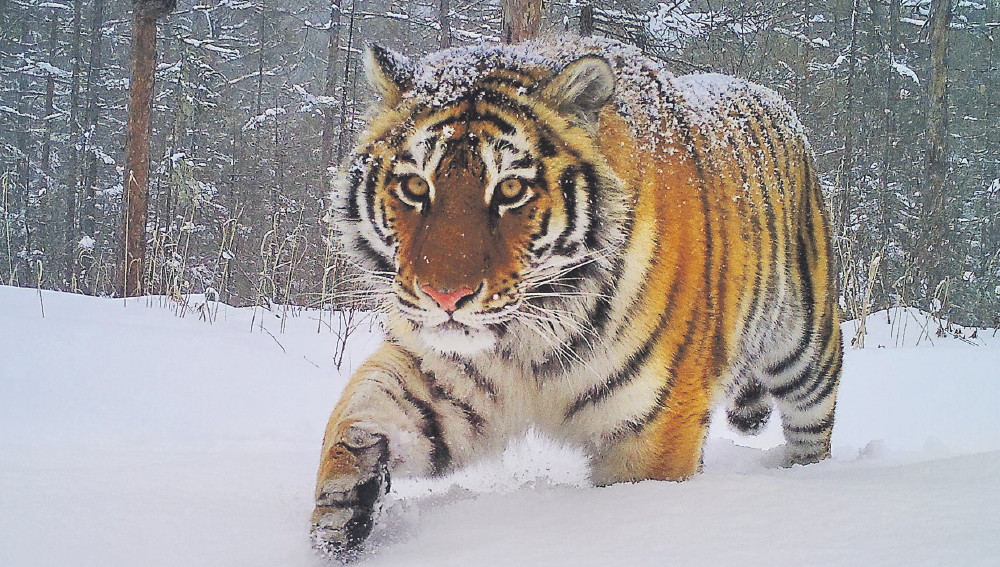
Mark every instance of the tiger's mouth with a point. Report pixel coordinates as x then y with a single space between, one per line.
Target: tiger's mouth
452 336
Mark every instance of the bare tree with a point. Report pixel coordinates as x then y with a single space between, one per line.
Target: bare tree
329 113
136 193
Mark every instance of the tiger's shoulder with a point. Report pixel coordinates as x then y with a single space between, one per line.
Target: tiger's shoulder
721 104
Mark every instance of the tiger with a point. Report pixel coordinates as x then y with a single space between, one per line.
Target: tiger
567 238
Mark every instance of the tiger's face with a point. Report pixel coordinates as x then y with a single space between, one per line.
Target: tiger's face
469 208
478 208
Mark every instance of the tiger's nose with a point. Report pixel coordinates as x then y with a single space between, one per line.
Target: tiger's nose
447 300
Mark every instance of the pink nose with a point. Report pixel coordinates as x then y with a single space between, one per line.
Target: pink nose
447 301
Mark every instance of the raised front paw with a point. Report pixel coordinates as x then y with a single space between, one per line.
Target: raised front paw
353 480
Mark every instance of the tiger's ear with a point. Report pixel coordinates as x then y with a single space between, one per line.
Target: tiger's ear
389 73
582 88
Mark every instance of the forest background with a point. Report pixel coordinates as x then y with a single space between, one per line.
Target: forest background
255 99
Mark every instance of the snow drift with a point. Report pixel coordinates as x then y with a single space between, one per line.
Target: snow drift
142 432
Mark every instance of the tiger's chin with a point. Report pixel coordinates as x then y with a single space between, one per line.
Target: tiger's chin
452 337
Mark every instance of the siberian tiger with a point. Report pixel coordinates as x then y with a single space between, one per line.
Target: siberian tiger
569 238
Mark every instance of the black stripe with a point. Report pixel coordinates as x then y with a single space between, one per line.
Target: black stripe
767 202
798 381
473 417
503 101
407 303
543 230
807 336
567 185
746 212
541 182
371 185
546 147
828 377
637 425
633 363
717 292
808 300
356 178
377 260
718 346
482 383
821 426
522 163
819 377
757 111
671 370
593 222
431 429
500 122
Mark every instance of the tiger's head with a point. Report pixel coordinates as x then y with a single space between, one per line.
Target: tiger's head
479 197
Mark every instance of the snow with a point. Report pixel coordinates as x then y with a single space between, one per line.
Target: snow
86 243
50 69
672 24
15 112
151 432
270 113
905 71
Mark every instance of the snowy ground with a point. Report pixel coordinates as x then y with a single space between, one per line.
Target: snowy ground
131 435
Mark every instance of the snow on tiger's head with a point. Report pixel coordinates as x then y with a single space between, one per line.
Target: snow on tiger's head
477 194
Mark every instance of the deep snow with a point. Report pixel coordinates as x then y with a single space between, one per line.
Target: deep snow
131 435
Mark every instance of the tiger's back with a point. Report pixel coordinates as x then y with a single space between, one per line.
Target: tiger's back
576 241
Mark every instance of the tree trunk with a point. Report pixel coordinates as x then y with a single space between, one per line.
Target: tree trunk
347 71
934 202
847 160
332 51
891 102
50 95
804 53
136 180
73 173
23 168
88 221
443 18
44 196
522 19
587 20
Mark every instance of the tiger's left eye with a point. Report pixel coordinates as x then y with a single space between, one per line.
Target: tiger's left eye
415 187
511 190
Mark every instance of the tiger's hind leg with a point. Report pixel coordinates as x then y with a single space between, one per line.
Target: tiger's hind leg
749 409
806 400
803 384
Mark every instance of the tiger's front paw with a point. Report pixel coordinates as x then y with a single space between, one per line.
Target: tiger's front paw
353 481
